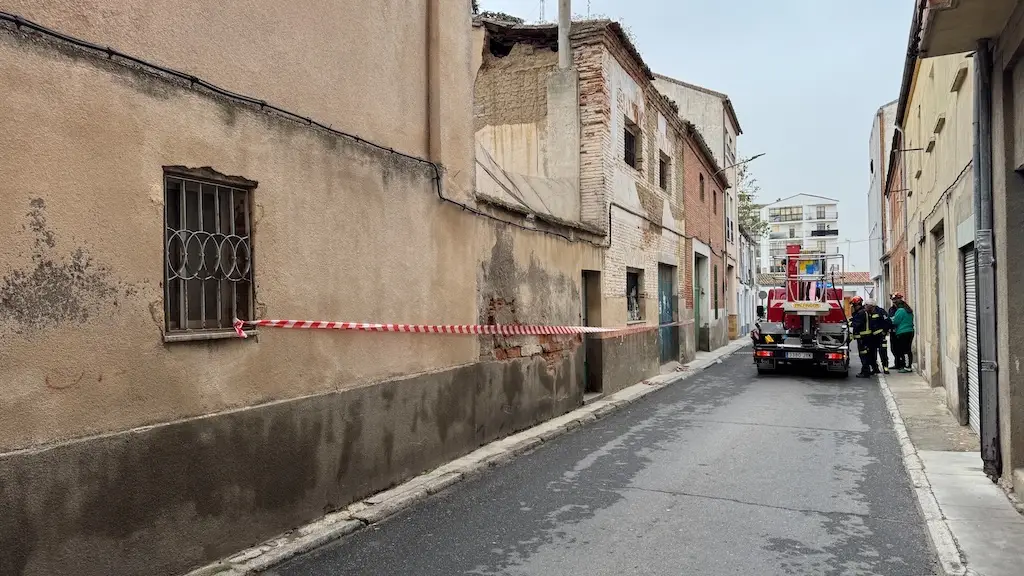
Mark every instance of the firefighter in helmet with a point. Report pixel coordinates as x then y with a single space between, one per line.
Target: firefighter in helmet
881 325
860 330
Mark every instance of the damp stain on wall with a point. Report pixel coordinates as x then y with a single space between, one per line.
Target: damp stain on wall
55 289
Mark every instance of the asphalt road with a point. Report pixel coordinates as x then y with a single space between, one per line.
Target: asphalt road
724 473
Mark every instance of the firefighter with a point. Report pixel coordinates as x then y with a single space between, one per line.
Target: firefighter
860 330
881 325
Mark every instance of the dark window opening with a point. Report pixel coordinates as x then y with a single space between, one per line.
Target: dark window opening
701 187
207 254
714 201
663 172
500 49
715 289
631 148
634 295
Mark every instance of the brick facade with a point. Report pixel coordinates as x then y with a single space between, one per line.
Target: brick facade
702 221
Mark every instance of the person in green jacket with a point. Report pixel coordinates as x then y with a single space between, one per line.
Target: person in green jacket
903 328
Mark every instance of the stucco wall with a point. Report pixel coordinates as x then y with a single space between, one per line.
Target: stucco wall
941 200
288 54
178 453
1008 210
89 163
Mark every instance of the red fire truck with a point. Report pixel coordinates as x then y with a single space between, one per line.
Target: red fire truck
805 323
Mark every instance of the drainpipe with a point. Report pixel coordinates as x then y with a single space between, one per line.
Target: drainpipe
564 22
986 280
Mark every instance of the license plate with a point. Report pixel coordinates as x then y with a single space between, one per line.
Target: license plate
800 355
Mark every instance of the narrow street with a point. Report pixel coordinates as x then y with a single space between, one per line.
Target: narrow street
723 473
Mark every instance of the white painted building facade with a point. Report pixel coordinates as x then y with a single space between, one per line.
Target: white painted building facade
806 219
879 148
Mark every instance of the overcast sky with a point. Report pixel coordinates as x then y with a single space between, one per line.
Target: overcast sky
806 78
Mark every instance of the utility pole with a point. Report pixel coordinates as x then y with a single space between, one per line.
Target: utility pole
564 23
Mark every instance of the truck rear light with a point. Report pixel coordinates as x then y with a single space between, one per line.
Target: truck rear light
834 356
763 354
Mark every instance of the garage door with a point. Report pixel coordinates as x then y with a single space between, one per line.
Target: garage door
971 322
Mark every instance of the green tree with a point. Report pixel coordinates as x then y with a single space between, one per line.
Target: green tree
749 211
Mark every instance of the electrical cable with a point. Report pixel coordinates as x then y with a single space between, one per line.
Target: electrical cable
263 105
194 81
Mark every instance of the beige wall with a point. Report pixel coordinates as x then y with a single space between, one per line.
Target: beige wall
325 59
93 156
941 198
1008 212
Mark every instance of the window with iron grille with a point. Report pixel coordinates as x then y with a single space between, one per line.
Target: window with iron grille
208 268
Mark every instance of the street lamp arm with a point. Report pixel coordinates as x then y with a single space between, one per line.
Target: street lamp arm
751 159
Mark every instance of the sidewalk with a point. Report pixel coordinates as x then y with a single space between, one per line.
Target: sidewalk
380 506
973 525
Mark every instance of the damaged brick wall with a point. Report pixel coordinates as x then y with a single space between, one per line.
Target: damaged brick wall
511 88
537 291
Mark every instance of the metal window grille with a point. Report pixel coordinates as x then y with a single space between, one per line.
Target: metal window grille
207 254
701 187
663 172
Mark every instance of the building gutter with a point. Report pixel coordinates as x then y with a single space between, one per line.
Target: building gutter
986 279
906 87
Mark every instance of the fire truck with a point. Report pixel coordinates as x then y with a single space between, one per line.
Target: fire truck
805 322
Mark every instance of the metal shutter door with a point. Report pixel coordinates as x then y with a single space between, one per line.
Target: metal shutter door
971 322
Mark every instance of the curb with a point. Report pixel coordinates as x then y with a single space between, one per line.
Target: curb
946 547
384 504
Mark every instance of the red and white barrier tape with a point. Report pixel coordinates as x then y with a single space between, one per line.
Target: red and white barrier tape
495 329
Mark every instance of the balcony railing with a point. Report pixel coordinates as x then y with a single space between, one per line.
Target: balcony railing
825 216
824 232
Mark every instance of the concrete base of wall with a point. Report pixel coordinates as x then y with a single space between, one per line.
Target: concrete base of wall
719 332
687 343
165 499
628 359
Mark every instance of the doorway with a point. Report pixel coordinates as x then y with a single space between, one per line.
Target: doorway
700 301
668 337
590 313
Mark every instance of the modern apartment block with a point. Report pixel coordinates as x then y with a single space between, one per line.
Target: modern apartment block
807 219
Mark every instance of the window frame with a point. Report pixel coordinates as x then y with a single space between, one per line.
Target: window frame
702 187
638 273
204 177
664 171
632 131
